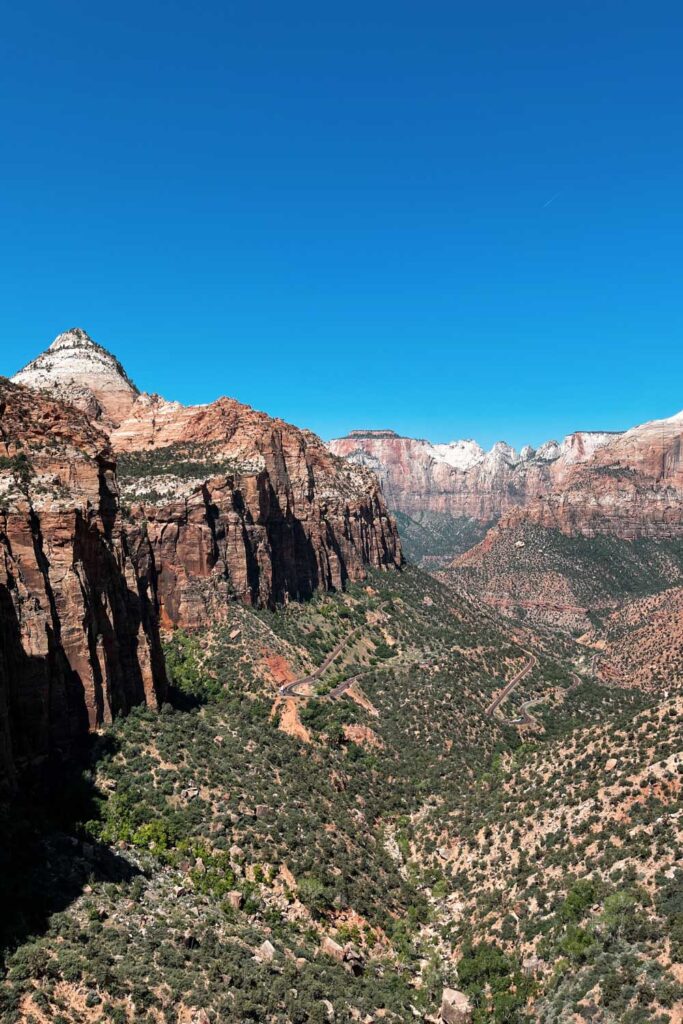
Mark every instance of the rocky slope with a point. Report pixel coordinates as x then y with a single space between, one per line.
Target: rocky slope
263 869
641 643
568 855
79 636
234 503
574 582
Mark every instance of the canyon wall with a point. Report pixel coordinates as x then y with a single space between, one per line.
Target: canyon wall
628 485
233 503
460 478
237 504
79 638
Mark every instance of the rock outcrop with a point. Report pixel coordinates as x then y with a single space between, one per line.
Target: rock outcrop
455 1007
79 638
77 370
234 504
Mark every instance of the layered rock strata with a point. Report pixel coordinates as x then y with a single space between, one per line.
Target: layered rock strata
628 485
79 637
460 478
234 504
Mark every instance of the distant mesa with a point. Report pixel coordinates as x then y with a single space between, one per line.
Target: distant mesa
372 433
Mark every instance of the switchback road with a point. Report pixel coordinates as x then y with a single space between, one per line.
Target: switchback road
514 682
526 718
293 689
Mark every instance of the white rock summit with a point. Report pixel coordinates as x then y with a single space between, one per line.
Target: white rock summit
79 371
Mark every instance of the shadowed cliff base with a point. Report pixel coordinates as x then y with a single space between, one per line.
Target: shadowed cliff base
46 859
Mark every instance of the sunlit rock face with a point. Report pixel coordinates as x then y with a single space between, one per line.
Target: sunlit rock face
461 478
235 504
79 633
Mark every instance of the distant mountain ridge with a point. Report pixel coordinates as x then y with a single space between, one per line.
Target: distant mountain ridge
461 478
626 483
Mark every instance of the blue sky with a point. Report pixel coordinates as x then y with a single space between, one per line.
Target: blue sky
450 219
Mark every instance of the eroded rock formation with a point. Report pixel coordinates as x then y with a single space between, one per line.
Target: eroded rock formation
628 485
79 638
233 502
460 478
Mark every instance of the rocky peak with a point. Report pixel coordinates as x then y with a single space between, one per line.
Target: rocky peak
549 451
79 371
502 452
75 337
458 454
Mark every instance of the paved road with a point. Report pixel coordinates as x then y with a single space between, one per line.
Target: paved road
292 689
514 682
342 687
526 718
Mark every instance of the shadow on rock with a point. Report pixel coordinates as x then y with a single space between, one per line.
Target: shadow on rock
46 856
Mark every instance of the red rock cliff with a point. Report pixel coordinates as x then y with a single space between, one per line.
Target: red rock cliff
460 478
233 502
628 485
79 638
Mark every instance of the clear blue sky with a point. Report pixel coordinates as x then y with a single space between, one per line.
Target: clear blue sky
453 219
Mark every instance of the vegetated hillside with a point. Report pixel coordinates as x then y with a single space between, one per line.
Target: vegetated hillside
246 855
641 644
546 576
432 539
570 856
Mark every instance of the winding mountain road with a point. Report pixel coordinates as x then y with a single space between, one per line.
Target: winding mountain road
526 718
292 689
514 682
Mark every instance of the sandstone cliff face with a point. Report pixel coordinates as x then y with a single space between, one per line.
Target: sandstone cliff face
266 515
626 485
233 503
631 488
460 478
79 638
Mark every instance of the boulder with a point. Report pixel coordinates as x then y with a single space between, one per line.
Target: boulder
455 1007
234 898
332 949
266 952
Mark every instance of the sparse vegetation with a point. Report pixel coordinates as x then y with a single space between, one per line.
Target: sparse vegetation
403 823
